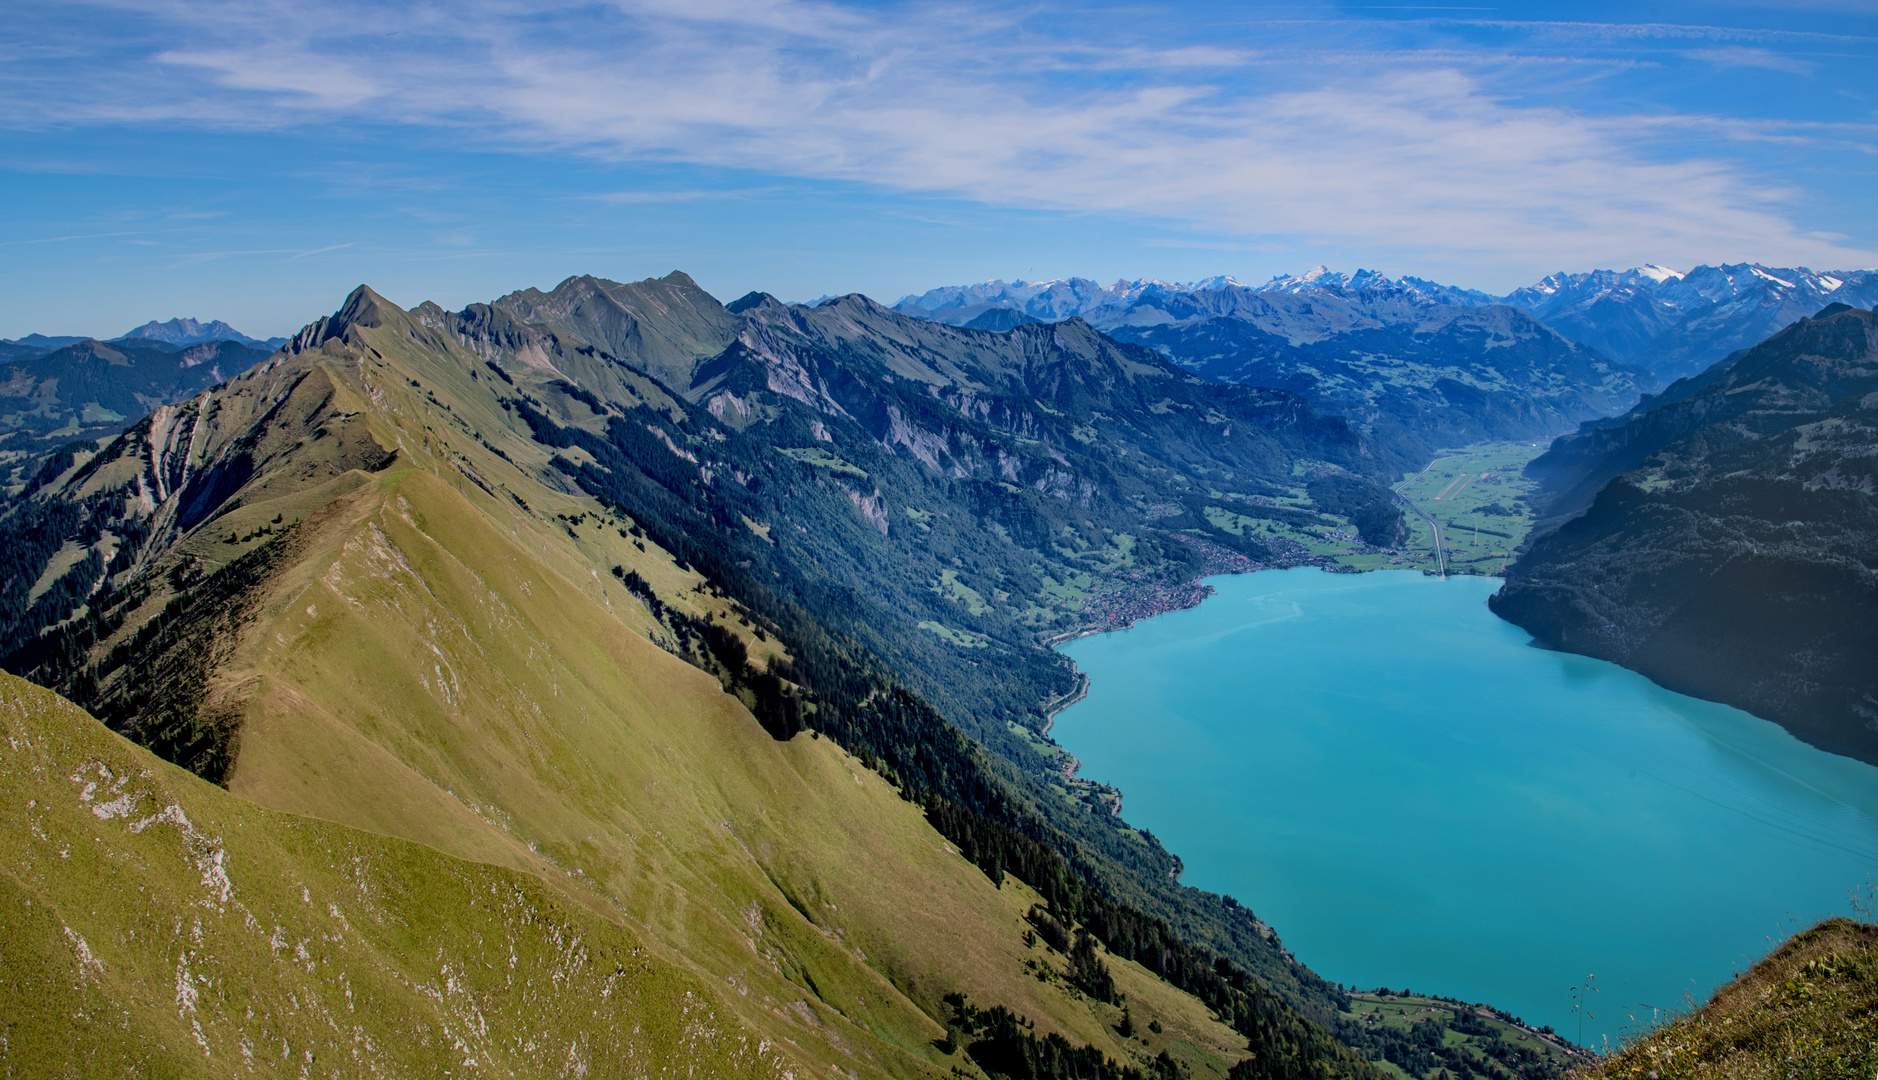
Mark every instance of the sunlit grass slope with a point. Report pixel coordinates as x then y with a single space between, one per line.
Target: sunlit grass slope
151 924
441 653
1809 1011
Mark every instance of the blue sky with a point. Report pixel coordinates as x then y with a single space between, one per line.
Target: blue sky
253 161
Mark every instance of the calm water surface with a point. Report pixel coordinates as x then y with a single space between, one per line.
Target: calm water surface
1415 797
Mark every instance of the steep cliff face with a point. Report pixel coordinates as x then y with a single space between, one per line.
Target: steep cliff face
1731 549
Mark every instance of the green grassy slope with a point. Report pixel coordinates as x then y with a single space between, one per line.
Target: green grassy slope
1418 1035
396 618
154 925
1809 1011
1037 471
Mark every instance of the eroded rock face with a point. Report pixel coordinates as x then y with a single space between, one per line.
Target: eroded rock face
1733 551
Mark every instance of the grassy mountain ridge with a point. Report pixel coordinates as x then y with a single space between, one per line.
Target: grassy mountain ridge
1729 550
417 624
951 498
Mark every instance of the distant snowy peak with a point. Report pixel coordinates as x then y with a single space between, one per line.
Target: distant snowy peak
192 332
1218 281
1660 285
1676 324
1670 322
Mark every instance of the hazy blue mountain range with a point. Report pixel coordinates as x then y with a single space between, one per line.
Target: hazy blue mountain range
90 390
1416 364
191 332
1668 323
1138 302
33 345
179 333
1725 535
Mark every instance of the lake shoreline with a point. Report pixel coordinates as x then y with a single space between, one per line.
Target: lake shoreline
1309 719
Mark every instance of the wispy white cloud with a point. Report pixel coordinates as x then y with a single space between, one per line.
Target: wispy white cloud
1417 154
1743 56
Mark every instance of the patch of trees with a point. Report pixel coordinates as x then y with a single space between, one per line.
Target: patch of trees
769 693
1421 1051
1005 1044
52 465
1088 973
30 537
152 687
1371 507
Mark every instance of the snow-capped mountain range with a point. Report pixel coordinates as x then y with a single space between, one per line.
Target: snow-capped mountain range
1667 322
1678 324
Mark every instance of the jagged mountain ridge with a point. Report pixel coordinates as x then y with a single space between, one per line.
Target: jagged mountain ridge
1112 305
1668 323
370 572
1729 536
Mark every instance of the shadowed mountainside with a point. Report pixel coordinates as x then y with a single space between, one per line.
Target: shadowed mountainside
1731 547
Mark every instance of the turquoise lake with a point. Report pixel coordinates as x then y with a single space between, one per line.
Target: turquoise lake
1416 797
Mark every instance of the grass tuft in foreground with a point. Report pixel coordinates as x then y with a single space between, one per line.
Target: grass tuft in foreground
1809 1011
